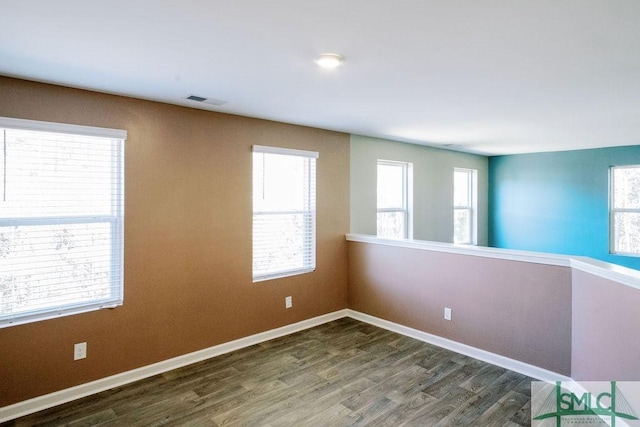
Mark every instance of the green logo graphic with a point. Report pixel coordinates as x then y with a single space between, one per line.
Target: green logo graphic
607 405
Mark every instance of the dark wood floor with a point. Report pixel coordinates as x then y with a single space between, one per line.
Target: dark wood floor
338 374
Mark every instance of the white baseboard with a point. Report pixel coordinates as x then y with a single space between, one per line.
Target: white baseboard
40 403
476 353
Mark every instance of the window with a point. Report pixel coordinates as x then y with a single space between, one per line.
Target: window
394 199
284 212
61 219
464 206
625 210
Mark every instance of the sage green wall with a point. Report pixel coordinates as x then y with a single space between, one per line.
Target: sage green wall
432 186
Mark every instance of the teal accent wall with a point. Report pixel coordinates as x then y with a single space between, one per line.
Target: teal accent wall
556 202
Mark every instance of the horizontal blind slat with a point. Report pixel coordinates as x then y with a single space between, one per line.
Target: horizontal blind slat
284 213
61 220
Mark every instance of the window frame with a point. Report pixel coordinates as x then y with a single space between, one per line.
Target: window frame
472 208
613 210
407 198
115 220
309 214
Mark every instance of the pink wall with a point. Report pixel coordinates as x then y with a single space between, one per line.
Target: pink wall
606 334
516 309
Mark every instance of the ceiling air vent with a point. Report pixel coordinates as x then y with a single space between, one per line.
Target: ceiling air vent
210 101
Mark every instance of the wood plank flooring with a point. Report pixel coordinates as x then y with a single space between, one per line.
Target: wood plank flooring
341 373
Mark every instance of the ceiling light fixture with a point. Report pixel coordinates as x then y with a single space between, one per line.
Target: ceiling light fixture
330 60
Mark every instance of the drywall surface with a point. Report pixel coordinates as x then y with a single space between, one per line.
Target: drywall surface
556 202
188 240
606 339
432 186
516 309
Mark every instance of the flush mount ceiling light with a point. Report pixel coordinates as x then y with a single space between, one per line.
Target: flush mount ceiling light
329 60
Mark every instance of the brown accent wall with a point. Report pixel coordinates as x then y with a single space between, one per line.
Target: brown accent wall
187 240
516 309
606 337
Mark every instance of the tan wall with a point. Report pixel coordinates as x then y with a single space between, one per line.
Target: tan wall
516 309
187 240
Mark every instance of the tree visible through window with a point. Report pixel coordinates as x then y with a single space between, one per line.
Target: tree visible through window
61 220
625 210
284 212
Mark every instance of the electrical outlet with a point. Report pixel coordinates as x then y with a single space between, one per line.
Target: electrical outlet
288 302
447 313
80 351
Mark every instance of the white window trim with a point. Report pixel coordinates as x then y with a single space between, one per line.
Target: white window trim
312 242
472 176
35 125
285 151
117 298
407 195
613 210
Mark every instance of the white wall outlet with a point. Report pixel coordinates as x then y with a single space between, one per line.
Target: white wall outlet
447 313
288 302
80 351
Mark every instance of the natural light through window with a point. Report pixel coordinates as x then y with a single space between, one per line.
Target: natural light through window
284 212
61 219
394 199
625 210
464 206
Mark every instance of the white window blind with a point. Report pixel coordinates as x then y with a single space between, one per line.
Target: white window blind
284 212
61 219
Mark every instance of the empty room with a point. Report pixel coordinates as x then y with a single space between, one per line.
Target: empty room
299 213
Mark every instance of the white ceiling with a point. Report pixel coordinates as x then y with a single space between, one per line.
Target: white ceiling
486 76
